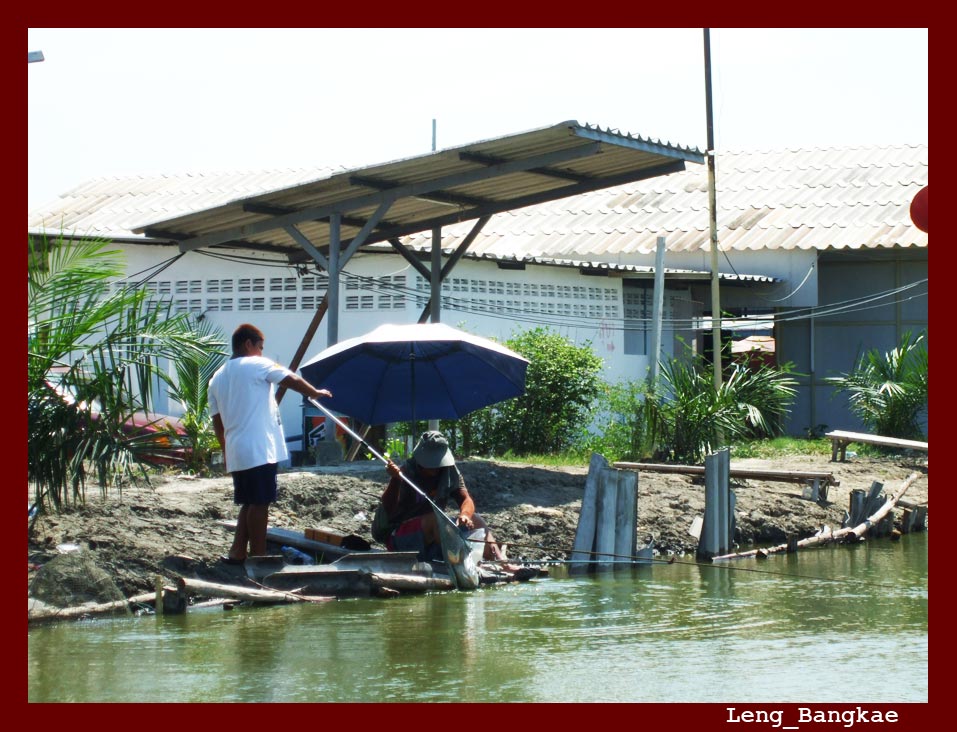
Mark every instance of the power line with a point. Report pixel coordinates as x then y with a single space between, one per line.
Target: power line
375 285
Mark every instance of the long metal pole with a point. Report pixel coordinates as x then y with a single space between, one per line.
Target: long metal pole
713 217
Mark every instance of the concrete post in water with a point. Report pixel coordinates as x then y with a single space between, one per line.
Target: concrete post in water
718 528
607 526
158 588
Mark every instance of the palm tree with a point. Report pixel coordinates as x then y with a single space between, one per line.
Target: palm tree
190 389
94 350
697 418
888 391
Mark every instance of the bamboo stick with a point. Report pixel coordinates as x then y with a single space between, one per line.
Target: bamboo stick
235 592
385 580
828 536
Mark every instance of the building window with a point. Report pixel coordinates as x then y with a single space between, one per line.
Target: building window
314 283
637 305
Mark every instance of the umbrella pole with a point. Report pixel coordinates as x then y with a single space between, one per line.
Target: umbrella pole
412 373
464 550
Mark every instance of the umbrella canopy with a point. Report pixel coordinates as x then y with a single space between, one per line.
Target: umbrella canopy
417 371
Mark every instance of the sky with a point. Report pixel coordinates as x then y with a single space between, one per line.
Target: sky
126 101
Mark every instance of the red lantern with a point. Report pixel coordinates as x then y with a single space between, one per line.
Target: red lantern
918 210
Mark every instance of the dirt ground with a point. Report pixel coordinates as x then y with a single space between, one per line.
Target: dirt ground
172 526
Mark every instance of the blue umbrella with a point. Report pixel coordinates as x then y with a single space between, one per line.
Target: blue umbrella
416 371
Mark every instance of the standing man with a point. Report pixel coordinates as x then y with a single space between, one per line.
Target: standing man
246 420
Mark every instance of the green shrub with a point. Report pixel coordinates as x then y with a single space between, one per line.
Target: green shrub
561 387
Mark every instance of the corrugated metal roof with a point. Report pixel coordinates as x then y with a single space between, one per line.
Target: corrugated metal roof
597 267
114 207
793 199
415 194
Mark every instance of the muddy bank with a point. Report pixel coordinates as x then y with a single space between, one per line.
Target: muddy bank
173 525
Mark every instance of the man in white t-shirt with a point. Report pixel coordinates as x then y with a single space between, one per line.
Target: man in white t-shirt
246 420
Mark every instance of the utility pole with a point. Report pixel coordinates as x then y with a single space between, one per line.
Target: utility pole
713 216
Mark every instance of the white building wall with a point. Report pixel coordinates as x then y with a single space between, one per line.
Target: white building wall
383 288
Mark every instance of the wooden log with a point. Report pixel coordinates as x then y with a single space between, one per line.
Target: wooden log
250 594
38 611
826 536
408 582
791 476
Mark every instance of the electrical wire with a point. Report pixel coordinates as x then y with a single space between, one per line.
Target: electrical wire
608 323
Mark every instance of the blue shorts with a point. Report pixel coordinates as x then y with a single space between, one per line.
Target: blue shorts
256 486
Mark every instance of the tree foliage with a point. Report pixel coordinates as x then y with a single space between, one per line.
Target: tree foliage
561 386
629 425
95 349
887 391
190 388
698 419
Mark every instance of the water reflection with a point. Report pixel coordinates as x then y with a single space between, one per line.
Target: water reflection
662 633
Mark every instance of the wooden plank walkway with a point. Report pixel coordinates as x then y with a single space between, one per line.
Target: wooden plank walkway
806 476
840 439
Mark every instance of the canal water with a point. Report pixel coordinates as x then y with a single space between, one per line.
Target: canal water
833 624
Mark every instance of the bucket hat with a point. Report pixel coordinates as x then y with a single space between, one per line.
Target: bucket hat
432 451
